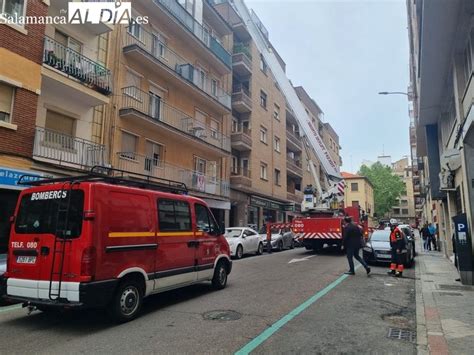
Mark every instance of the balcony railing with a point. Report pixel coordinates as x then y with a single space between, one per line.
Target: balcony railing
67 150
293 137
76 65
241 93
158 50
155 167
294 166
157 110
240 176
241 48
188 21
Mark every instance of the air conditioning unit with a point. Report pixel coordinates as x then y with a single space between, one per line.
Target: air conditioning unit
186 71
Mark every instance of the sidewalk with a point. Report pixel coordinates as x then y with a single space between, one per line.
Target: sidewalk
444 307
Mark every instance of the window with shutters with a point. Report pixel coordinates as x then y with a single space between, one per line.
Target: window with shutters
59 130
133 83
129 145
7 93
154 156
215 129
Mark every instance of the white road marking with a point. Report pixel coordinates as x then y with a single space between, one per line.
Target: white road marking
298 260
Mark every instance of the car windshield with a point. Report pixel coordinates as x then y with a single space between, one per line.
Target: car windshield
233 233
380 236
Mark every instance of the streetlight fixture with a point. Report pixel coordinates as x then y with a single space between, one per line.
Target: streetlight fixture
393 93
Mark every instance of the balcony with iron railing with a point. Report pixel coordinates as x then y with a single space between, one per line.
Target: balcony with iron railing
75 65
295 196
61 149
241 98
137 103
240 177
179 13
293 140
154 167
294 167
241 138
242 60
148 45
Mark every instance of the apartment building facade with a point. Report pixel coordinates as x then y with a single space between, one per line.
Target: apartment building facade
260 151
171 112
359 192
21 49
404 210
442 94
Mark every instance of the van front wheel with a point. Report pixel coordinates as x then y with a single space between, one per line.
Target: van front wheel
219 281
127 301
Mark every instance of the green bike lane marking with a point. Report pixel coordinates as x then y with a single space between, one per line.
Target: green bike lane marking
267 333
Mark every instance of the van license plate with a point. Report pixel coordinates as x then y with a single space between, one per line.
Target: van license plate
26 259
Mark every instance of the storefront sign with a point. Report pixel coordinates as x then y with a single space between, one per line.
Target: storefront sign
10 177
271 205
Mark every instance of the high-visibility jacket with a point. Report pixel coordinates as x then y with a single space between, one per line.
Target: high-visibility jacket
397 239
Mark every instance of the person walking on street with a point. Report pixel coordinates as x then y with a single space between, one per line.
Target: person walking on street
352 241
398 248
432 238
425 234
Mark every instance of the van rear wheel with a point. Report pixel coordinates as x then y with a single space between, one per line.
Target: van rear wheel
127 301
219 281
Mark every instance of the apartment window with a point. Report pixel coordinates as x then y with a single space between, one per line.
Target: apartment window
263 171
404 202
154 156
13 7
276 112
234 168
155 105
135 29
129 146
404 211
215 128
188 5
214 87
354 186
201 78
6 102
276 144
263 99
263 64
59 130
396 211
263 135
158 45
200 165
102 46
277 177
133 83
355 203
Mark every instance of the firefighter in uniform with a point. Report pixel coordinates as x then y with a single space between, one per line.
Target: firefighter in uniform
398 247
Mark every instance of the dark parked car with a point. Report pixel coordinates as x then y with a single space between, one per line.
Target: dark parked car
377 249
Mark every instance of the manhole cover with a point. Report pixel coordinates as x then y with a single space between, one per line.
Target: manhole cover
401 334
449 294
222 315
455 288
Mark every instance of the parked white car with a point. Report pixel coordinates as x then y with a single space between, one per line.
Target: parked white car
243 240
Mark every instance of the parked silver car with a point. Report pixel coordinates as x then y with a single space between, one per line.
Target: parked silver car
282 238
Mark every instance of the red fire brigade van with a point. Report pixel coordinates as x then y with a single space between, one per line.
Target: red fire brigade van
99 240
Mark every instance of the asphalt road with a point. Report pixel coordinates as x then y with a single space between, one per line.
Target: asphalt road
313 309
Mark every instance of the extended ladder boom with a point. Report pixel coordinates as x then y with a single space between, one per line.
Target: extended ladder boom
293 100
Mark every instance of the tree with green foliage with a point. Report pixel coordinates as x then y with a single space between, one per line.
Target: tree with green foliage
388 187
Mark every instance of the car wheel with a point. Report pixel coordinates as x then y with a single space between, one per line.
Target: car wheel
219 281
292 245
127 301
260 249
280 245
239 252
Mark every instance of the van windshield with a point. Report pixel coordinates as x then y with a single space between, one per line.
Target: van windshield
38 213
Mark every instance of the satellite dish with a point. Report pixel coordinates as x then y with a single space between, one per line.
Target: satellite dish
451 159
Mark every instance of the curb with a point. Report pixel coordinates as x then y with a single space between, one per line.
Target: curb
421 333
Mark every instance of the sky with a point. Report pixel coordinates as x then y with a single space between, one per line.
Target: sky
343 52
